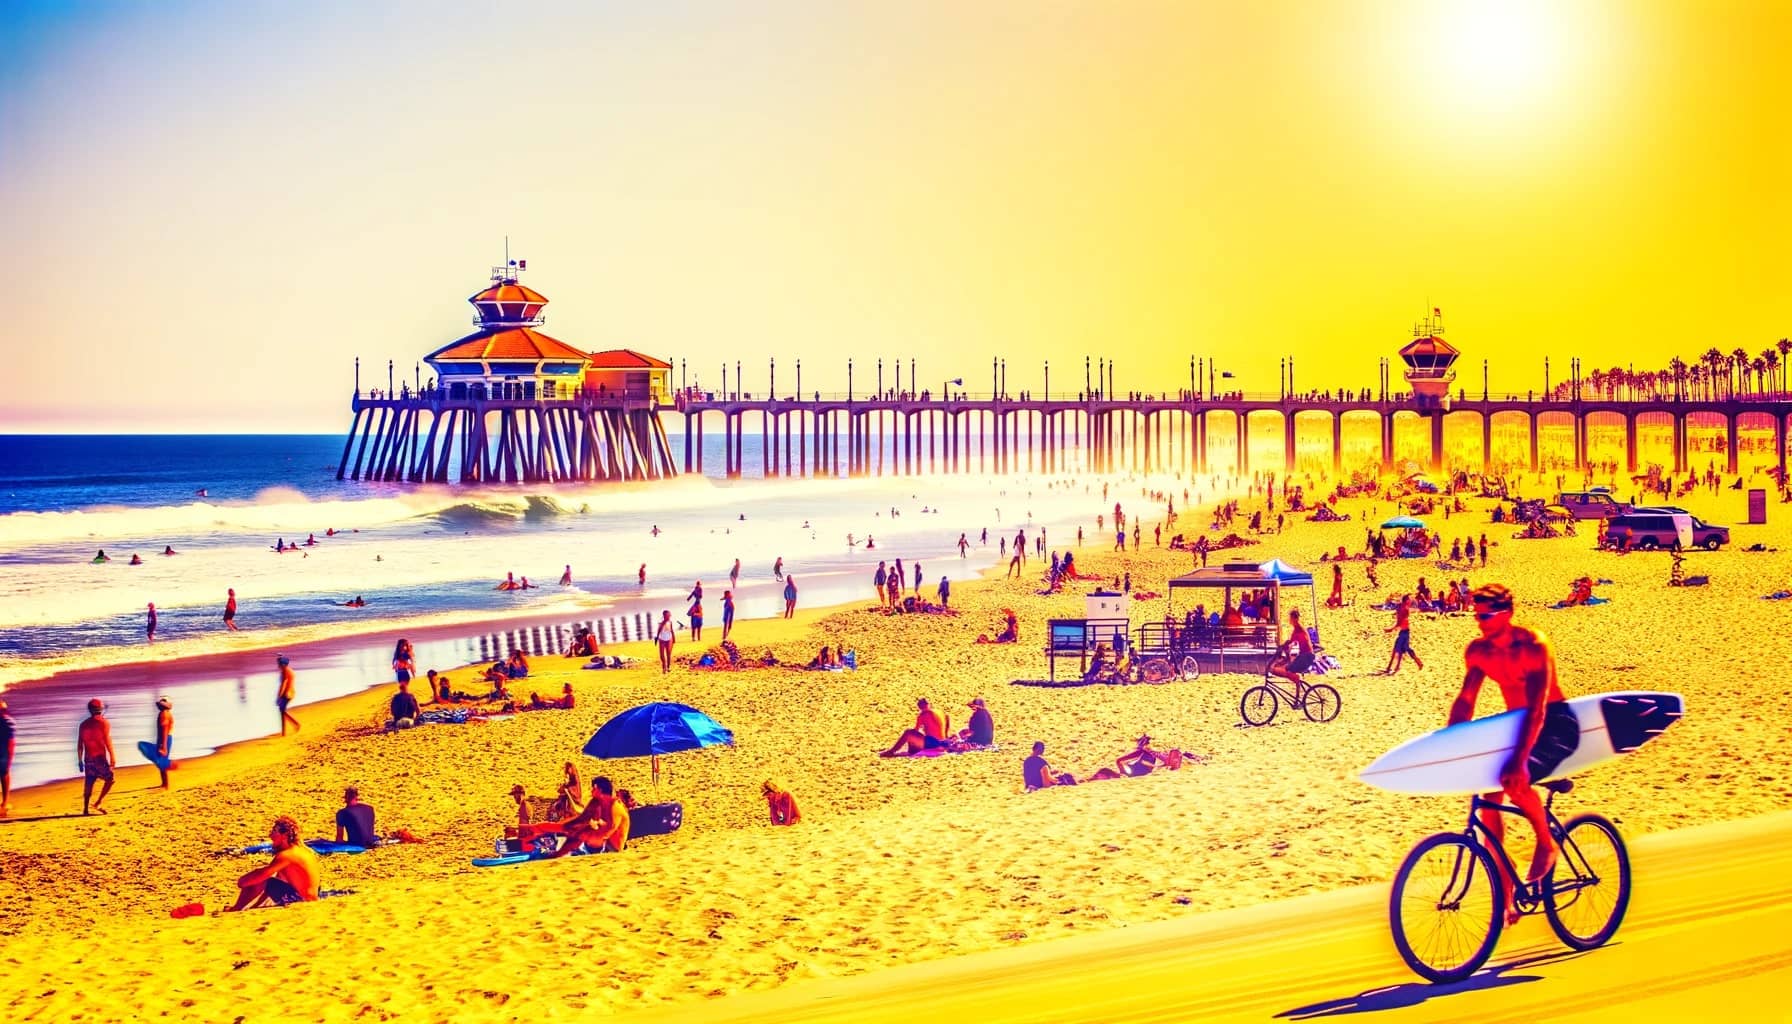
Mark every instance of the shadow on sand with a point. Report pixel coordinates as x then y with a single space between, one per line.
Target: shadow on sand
1413 994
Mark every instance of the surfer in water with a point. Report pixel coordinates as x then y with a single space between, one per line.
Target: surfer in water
1521 662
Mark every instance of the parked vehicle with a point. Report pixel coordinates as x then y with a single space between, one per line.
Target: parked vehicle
1597 503
1656 528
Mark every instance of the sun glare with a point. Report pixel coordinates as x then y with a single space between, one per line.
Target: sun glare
1499 55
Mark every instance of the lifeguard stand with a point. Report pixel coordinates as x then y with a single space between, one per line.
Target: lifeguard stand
1430 362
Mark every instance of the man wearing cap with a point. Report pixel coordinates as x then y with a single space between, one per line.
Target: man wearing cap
93 748
164 735
283 696
982 730
8 729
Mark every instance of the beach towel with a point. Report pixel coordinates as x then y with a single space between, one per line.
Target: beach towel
1778 595
964 749
323 848
1590 600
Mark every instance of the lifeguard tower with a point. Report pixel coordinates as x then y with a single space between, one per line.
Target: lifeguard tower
1430 362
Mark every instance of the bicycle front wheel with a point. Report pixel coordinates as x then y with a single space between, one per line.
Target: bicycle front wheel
1258 705
1321 703
1446 909
1190 668
1585 907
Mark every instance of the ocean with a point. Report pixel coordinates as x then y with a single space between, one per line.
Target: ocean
424 559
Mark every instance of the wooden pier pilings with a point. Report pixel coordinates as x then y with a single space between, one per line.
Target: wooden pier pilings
432 439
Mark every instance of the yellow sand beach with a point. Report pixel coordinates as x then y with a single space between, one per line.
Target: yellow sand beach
896 860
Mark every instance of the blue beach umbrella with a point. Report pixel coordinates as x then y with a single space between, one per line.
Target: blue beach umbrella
654 729
1403 523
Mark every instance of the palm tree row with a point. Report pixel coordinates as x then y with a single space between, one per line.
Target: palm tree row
1714 376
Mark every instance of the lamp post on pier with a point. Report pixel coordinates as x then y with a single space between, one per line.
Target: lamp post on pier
771 393
739 381
1048 380
995 390
1101 374
1086 394
388 378
849 381
357 376
799 379
1483 380
724 382
880 376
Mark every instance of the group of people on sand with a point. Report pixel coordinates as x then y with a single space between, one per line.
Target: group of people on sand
932 731
1141 760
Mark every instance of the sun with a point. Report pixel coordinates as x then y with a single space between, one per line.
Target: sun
1498 55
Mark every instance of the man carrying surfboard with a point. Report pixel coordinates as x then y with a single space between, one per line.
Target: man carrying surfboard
1521 662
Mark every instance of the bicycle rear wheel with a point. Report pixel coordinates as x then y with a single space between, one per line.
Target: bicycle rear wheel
1258 705
1586 908
1190 668
1321 703
1157 670
1446 909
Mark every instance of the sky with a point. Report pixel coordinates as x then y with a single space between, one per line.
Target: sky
213 209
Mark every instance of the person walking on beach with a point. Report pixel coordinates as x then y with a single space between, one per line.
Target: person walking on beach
93 748
230 610
664 637
1402 630
878 579
963 546
945 592
696 593
900 576
789 596
734 574
149 631
1336 600
164 736
283 696
918 577
695 613
641 576
566 577
1521 661
778 568
8 744
727 612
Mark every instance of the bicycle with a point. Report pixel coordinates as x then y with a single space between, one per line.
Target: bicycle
1318 701
1447 907
1148 670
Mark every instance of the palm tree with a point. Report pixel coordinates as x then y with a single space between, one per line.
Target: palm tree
1677 366
1771 360
1714 361
1739 360
1784 345
1697 376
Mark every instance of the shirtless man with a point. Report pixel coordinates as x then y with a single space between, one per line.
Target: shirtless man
1521 662
1296 654
291 877
93 748
164 734
602 826
283 696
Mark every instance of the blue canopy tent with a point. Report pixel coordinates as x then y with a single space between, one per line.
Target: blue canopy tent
654 729
1404 523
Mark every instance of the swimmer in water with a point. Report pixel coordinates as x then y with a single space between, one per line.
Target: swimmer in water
101 557
642 575
870 542
656 529
566 577
136 560
169 550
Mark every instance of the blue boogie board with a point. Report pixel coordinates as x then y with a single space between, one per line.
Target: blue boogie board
148 750
323 847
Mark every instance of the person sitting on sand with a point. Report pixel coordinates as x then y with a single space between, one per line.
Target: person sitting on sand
517 667
780 803
564 703
1037 773
354 823
290 877
404 708
1580 593
1139 762
823 660
496 674
982 730
929 733
602 827
567 797
1101 665
1010 628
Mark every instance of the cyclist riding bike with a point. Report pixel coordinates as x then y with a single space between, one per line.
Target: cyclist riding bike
1521 662
1296 654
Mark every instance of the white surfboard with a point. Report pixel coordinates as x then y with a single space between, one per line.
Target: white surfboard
1467 758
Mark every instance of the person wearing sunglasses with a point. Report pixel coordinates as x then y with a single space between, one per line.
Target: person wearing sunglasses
1522 663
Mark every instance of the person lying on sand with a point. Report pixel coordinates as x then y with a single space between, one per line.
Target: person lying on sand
602 827
780 803
823 660
290 877
563 703
1139 762
929 732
